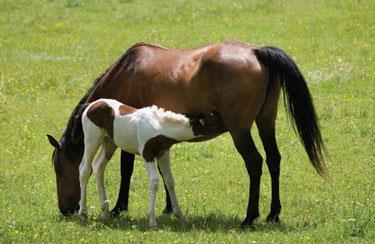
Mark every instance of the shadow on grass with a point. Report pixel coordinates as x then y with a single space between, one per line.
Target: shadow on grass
209 223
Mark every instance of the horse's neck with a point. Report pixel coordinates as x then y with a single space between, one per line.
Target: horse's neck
73 150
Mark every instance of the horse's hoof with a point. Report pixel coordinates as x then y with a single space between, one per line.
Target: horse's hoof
274 218
115 212
248 222
247 227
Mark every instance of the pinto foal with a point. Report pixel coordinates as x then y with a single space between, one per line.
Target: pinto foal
149 132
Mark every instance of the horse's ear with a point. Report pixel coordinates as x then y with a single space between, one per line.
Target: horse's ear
54 142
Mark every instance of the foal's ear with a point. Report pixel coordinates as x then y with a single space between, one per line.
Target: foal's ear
54 142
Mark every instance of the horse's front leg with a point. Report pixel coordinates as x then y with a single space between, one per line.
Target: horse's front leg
165 169
127 167
168 207
153 179
253 160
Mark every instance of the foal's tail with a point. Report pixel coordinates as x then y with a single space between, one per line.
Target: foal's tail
298 102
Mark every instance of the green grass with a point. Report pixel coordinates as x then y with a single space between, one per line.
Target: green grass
51 52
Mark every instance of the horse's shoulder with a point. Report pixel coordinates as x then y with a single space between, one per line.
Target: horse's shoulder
135 56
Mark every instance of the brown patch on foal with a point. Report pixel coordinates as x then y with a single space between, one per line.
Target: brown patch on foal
102 115
125 109
156 146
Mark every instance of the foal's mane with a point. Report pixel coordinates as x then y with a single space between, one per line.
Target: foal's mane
167 115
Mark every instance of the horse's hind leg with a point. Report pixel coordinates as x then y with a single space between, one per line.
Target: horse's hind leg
106 152
267 135
253 161
168 207
266 126
165 169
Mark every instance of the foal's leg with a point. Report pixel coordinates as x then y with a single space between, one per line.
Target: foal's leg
165 169
127 167
253 160
99 165
92 144
153 178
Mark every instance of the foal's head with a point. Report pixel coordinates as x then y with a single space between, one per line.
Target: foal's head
67 177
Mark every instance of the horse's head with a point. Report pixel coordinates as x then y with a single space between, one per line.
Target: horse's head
67 177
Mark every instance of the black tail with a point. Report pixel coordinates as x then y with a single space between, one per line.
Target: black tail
298 102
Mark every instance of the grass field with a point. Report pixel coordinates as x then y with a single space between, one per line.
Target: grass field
52 51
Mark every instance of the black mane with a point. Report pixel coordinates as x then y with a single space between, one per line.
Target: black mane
72 139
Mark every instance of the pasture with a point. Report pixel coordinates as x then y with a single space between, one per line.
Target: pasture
52 51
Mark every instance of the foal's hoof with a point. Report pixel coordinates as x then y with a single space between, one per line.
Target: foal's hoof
153 226
105 217
83 216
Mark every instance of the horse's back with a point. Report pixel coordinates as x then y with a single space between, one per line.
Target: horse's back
226 77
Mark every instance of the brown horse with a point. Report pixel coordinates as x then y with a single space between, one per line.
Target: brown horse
241 82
